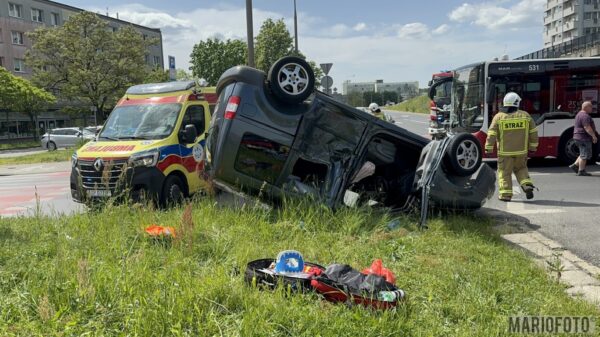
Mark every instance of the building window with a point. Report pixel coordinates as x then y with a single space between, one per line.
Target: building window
54 19
144 36
19 65
587 16
156 60
114 29
588 2
1 39
17 37
1 61
14 10
37 15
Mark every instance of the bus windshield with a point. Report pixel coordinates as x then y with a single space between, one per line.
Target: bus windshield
147 121
467 98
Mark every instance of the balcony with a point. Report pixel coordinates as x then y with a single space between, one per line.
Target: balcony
568 11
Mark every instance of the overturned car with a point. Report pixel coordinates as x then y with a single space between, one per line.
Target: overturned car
274 134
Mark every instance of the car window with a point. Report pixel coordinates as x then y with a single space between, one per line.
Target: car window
261 158
57 132
194 115
70 132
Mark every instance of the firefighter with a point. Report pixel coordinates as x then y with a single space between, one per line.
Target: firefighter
515 133
376 111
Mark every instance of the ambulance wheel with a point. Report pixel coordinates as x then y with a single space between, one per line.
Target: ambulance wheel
463 155
173 191
291 79
51 146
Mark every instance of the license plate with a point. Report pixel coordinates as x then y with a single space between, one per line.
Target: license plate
98 193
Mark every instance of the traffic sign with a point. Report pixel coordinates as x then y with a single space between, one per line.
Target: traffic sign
326 81
326 67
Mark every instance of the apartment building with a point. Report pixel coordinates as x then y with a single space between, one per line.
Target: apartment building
566 20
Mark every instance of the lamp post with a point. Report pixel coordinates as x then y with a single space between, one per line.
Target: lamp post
250 33
295 28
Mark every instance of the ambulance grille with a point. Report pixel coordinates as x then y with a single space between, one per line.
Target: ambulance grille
107 177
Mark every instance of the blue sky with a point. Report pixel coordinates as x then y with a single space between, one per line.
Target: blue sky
365 40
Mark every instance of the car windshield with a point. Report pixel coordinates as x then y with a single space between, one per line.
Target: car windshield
467 98
148 121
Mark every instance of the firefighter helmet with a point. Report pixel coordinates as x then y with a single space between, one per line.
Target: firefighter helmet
374 107
512 99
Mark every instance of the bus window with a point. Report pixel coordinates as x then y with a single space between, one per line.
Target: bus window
534 92
571 90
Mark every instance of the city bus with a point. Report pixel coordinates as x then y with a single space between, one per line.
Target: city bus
552 91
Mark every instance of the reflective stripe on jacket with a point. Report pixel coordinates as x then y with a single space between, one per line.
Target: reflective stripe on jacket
516 133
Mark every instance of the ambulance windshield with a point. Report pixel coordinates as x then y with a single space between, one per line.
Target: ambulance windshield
148 121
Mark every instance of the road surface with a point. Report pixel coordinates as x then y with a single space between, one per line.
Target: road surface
20 194
565 209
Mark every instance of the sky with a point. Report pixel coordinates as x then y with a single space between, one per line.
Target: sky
393 40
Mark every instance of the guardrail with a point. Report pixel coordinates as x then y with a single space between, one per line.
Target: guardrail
570 47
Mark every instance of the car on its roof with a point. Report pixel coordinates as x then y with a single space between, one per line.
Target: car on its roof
275 135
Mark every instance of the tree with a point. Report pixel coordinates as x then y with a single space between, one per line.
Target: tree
355 98
391 96
18 94
157 75
183 75
272 43
86 62
212 57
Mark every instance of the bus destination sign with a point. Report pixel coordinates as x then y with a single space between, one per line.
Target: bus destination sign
512 68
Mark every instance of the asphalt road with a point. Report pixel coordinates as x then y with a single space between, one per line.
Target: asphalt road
565 209
20 195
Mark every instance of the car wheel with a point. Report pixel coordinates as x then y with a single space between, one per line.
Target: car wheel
172 193
291 79
51 146
463 156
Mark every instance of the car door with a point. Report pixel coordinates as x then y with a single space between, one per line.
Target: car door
57 136
71 137
192 154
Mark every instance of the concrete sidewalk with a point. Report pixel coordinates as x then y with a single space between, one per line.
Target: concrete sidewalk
23 169
21 152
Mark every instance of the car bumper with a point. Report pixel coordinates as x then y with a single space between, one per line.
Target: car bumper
134 183
450 191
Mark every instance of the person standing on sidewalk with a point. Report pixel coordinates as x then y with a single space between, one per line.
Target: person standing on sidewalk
516 134
584 134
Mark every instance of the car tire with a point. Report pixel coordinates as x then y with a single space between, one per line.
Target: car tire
173 192
463 155
51 146
291 79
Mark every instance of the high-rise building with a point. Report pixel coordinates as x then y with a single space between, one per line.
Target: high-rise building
404 89
565 20
20 16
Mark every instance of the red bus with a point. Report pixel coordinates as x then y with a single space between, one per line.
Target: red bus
552 91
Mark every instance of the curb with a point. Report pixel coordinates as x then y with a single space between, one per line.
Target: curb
581 278
25 169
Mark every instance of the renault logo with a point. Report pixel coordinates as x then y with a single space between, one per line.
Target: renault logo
98 164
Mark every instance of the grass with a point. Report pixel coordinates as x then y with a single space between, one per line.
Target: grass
44 157
97 274
418 104
19 145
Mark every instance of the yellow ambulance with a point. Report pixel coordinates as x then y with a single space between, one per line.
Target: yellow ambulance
152 144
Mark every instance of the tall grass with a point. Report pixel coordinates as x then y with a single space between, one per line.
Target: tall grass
97 274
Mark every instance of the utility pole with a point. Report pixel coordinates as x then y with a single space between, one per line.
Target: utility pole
295 28
249 29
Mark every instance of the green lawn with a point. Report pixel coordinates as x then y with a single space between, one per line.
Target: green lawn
418 104
19 145
44 157
97 274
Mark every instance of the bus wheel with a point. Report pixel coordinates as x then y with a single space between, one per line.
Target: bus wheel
463 156
568 151
173 192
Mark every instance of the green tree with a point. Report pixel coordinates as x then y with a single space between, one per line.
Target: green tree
355 98
373 97
272 43
391 96
88 63
157 75
212 57
183 75
19 95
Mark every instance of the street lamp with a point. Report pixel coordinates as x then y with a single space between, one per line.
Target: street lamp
250 33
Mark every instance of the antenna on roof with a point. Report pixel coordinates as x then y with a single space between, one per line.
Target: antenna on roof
117 15
107 11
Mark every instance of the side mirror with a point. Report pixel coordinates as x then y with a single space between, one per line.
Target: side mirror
188 135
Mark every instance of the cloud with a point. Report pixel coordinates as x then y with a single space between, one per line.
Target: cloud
413 30
525 13
442 29
359 27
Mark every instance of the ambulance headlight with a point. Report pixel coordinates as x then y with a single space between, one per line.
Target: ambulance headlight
144 159
74 160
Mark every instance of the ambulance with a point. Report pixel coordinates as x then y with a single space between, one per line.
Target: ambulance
152 145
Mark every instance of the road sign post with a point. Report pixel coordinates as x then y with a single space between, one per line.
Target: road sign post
326 81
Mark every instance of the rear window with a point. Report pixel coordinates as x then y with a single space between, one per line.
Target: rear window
261 158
